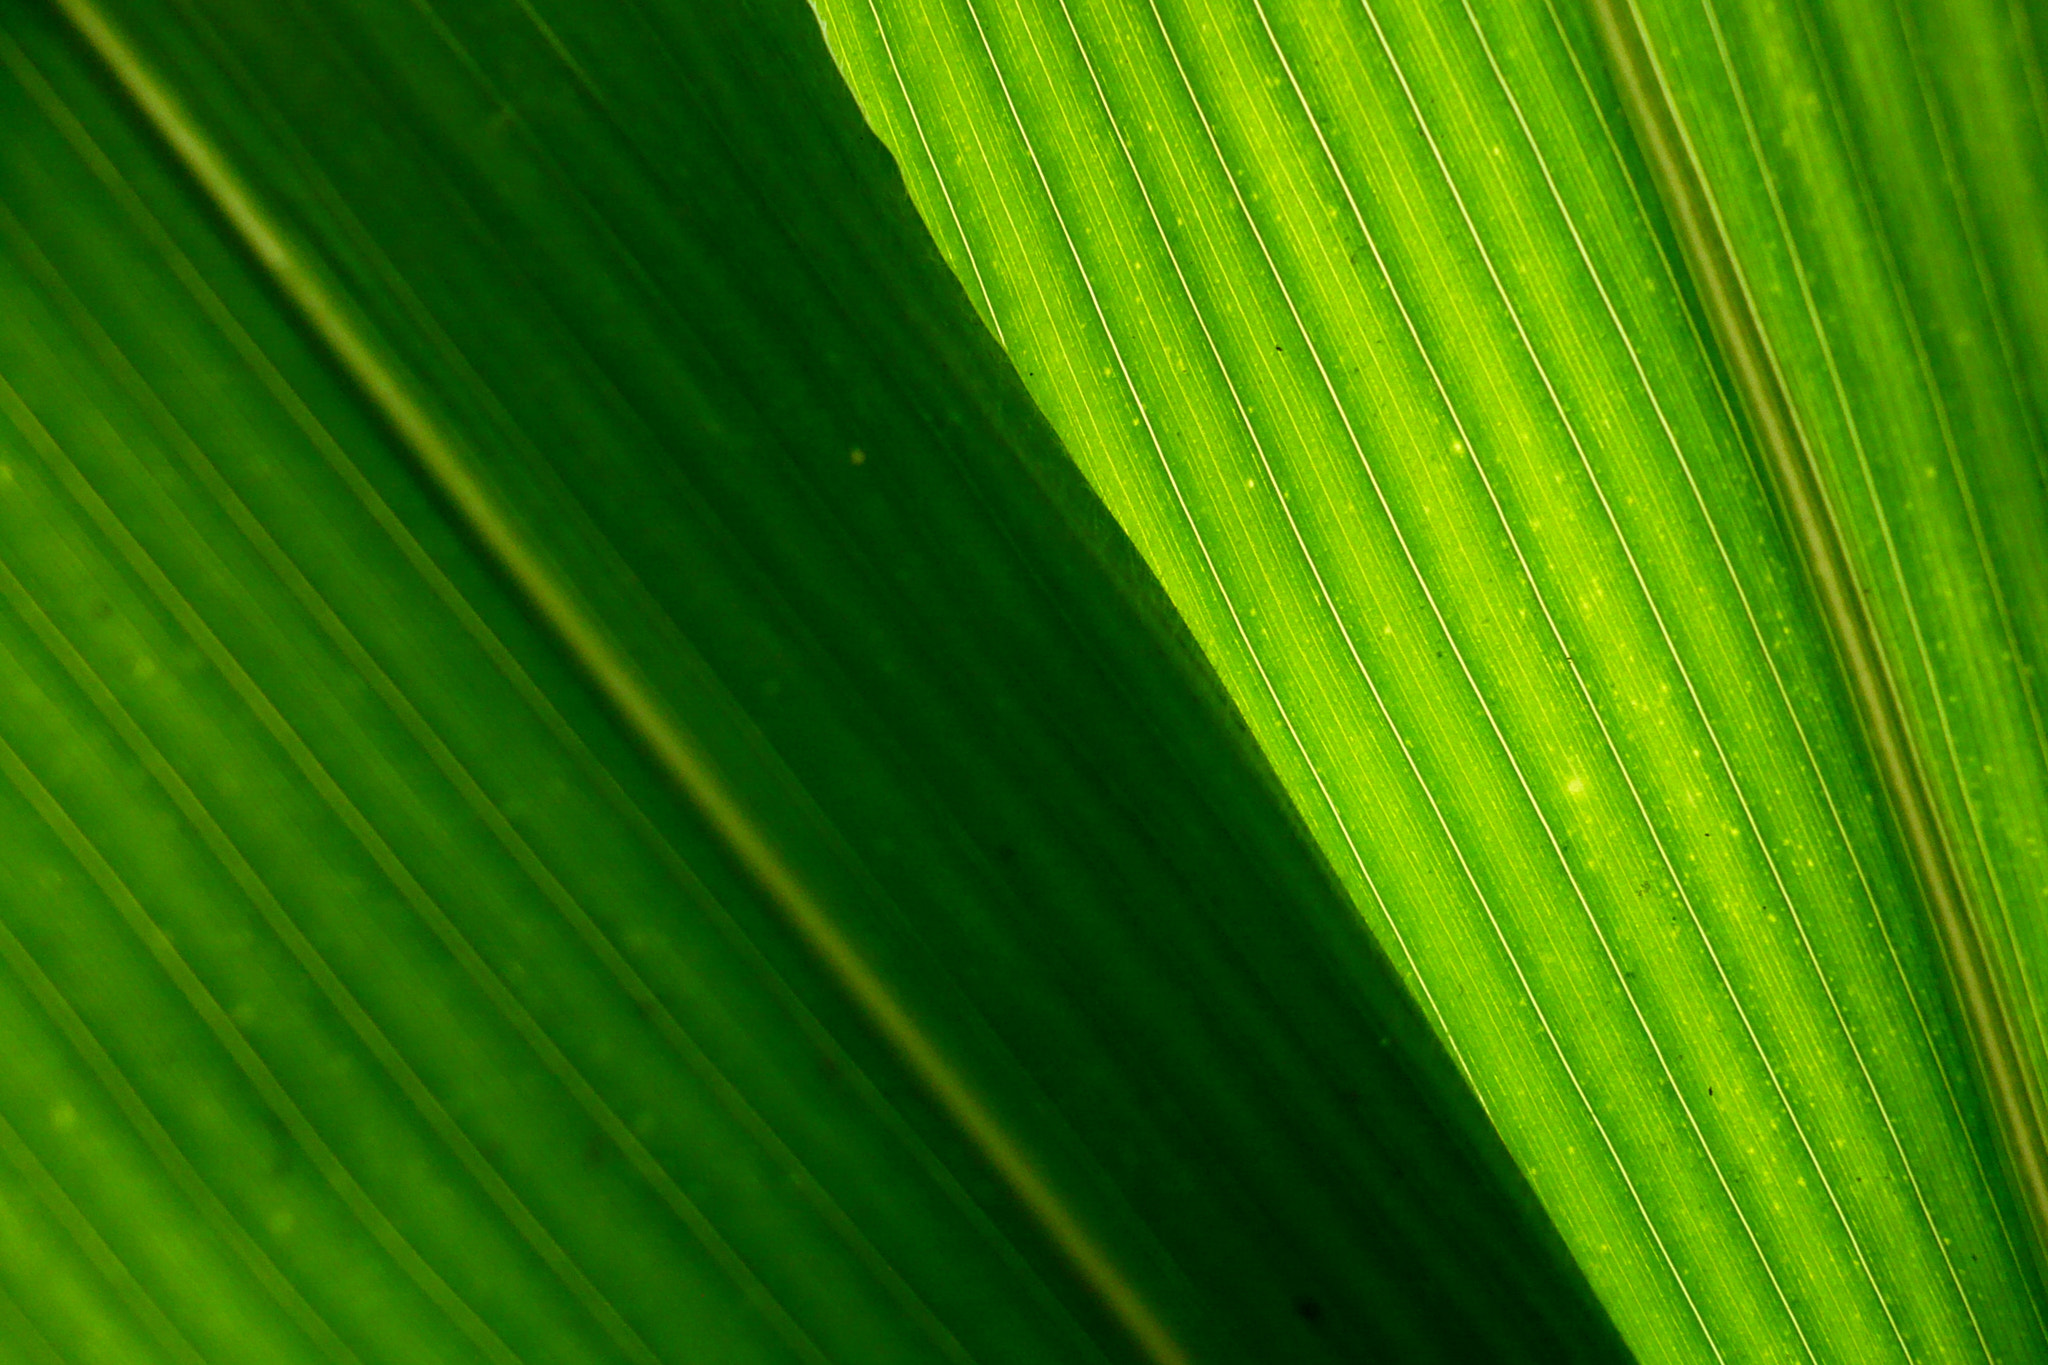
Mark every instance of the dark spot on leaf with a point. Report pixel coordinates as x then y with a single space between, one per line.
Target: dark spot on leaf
1308 1310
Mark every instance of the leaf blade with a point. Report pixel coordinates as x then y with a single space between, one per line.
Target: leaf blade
1487 215
493 968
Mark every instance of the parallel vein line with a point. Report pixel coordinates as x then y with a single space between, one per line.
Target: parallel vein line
1329 603
672 744
1782 441
1420 578
57 1007
2036 1010
1061 1223
273 720
1869 1082
1145 417
1526 569
423 903
340 998
560 898
938 177
21 1330
1201 543
2029 1082
501 657
1699 708
1923 1024
60 1205
202 1001
1965 217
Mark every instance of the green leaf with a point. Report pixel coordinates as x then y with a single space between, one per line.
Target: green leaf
1367 322
1872 217
581 779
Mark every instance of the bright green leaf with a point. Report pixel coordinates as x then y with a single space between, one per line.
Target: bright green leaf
1364 319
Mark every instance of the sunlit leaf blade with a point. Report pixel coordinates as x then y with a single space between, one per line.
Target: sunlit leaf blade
1360 317
582 780
1882 179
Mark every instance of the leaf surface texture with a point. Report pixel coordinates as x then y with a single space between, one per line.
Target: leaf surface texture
1363 319
582 780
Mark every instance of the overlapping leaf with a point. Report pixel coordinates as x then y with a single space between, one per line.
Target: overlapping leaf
580 779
